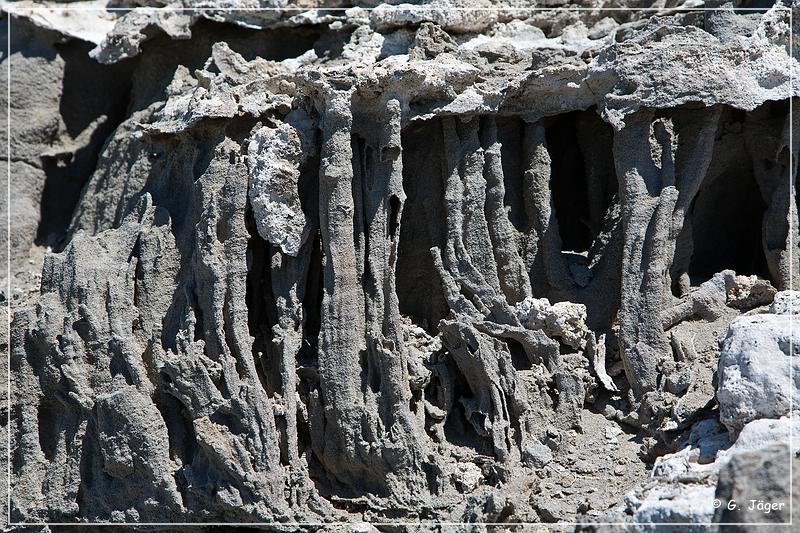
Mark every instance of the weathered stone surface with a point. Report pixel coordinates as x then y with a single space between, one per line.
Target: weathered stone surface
759 377
684 485
760 485
450 262
786 303
274 158
691 508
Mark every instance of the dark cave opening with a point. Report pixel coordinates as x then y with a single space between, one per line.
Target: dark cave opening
749 7
394 211
726 229
582 175
183 444
49 417
568 183
258 299
370 372
308 189
726 217
312 305
458 429
518 356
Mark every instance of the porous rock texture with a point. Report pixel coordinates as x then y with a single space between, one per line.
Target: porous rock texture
445 262
759 377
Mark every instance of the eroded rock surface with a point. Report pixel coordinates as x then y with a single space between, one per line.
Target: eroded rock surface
735 466
759 373
457 262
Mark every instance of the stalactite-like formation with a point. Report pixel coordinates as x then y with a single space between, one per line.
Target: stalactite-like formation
388 275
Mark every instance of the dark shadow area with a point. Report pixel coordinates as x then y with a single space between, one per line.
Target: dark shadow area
308 357
93 102
745 7
419 289
460 430
183 444
49 422
583 178
260 304
518 356
568 183
312 304
510 133
727 219
726 216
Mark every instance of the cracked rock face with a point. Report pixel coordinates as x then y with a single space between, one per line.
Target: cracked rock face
412 263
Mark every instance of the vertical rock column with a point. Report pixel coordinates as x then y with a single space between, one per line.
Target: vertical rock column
503 408
342 321
275 160
513 275
379 197
767 140
549 270
369 440
657 184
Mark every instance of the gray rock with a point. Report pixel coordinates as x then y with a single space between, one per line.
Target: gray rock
315 265
691 508
758 376
756 488
786 303
274 158
712 480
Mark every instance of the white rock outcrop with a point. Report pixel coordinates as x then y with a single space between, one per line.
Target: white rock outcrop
683 485
786 303
691 507
759 370
273 158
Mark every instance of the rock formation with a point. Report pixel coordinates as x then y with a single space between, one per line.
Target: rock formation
740 472
391 263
